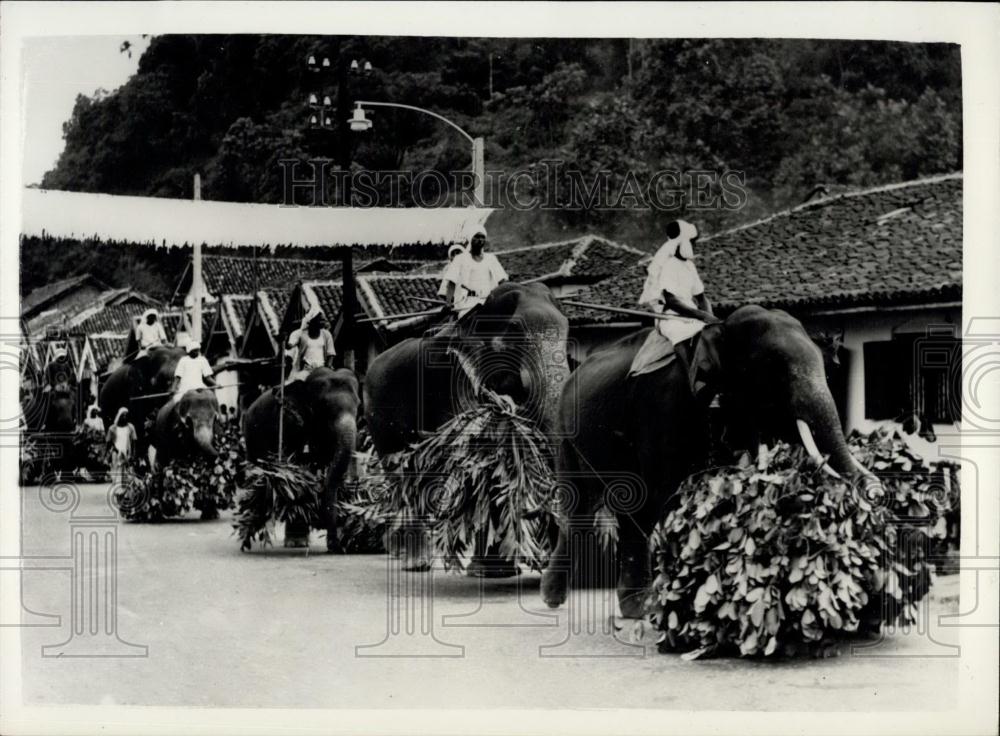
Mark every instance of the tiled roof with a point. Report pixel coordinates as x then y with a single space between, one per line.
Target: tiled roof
116 318
390 294
236 308
273 303
107 348
240 274
328 296
587 258
900 244
36 298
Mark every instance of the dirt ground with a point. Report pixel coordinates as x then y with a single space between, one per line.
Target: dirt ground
283 628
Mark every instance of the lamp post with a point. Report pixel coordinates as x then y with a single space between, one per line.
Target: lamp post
359 123
322 117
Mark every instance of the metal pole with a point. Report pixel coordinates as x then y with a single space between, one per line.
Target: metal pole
349 309
479 172
196 294
281 397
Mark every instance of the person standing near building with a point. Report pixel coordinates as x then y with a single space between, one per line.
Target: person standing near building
121 443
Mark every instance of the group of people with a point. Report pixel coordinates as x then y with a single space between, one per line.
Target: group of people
672 288
193 370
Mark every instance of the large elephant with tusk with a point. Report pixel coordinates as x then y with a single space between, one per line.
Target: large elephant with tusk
514 344
771 382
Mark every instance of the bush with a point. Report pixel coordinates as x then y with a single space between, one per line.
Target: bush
779 558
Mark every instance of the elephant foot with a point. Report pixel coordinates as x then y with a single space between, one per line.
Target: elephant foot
631 602
417 566
553 588
492 568
296 541
209 514
333 545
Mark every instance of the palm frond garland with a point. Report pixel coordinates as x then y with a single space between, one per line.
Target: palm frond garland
488 468
273 492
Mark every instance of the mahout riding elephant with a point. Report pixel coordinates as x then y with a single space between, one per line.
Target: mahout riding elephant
320 412
186 428
770 379
56 418
514 344
142 386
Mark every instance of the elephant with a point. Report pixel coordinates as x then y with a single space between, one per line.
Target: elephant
320 412
142 386
57 418
187 427
514 344
771 384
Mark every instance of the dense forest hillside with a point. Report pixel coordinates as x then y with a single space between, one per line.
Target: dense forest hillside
788 116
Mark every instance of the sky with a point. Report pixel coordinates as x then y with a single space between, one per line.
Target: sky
56 70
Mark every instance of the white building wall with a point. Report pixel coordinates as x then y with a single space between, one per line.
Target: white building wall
228 388
859 328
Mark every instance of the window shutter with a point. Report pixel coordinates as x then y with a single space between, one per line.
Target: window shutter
888 377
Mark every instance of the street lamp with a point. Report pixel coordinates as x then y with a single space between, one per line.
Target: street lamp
359 124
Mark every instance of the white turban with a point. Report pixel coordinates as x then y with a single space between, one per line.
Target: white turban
118 416
148 312
313 313
477 230
682 243
455 250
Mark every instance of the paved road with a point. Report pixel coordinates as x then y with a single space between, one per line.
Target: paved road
282 629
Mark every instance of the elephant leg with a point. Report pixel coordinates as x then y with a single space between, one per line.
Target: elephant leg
633 555
555 579
329 501
296 534
416 549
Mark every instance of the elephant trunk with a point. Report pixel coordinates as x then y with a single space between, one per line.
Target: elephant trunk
819 414
204 439
551 369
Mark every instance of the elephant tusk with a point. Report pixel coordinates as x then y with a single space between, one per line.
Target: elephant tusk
810 444
762 451
861 468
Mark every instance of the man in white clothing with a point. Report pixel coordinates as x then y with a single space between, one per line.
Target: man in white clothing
193 371
312 344
474 272
673 288
149 332
450 274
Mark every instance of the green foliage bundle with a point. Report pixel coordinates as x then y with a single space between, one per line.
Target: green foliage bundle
90 448
206 484
487 468
30 460
272 492
778 558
